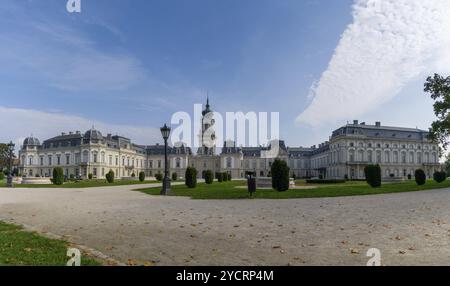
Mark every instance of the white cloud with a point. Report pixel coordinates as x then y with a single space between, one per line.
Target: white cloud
17 124
389 44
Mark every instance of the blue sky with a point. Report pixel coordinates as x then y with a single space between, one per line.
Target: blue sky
127 66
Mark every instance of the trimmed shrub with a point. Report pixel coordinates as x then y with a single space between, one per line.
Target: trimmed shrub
224 177
229 176
191 177
90 176
219 177
110 177
373 175
209 177
294 177
141 176
174 176
420 177
409 177
439 177
280 175
2 176
133 175
159 177
58 176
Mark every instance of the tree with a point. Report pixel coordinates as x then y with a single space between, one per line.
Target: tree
373 175
420 176
90 176
110 176
439 176
141 176
4 156
280 175
219 177
174 177
191 177
159 177
209 177
58 176
439 89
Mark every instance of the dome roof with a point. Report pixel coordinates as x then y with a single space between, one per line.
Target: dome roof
31 141
93 135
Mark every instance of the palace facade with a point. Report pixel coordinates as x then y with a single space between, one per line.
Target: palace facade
399 151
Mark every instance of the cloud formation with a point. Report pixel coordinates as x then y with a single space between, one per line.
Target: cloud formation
20 123
389 44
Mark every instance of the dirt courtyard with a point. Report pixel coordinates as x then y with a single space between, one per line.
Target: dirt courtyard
408 228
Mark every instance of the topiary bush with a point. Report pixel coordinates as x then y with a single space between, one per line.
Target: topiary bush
174 176
133 175
2 176
90 176
219 177
420 177
280 175
439 177
58 176
110 177
209 177
159 177
225 176
141 176
373 175
191 177
229 176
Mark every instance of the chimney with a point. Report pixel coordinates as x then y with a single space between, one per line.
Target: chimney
355 122
63 134
378 124
78 132
363 123
70 133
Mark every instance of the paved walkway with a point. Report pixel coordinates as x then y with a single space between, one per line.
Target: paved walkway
408 228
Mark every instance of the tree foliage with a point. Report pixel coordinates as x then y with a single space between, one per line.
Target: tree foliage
420 177
209 177
110 176
373 175
439 176
58 176
191 177
280 175
141 176
439 89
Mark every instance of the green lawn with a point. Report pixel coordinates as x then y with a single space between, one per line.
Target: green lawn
82 184
23 248
228 190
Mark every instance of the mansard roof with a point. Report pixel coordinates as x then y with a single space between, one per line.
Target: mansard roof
378 131
159 150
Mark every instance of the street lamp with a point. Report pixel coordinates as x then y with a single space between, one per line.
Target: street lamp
165 131
9 180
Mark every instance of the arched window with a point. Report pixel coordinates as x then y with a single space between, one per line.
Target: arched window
178 163
411 157
369 156
352 156
378 156
404 157
85 157
229 163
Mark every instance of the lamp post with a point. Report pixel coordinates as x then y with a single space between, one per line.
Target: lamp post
165 131
9 180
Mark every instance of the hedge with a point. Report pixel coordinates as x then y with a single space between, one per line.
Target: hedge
329 181
191 177
110 177
58 176
373 175
141 176
209 177
280 175
420 177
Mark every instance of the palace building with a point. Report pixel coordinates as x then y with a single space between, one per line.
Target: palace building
399 151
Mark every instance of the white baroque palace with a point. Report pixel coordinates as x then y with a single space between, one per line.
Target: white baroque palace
399 152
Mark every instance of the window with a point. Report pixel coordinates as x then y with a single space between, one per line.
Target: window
229 163
117 161
50 160
58 160
42 161
85 156
369 156
94 172
178 163
67 159
31 160
379 157
95 157
387 156
159 163
404 157
411 157
111 160
352 156
419 158
150 163
396 157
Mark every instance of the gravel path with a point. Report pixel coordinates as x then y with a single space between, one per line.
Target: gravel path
408 228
